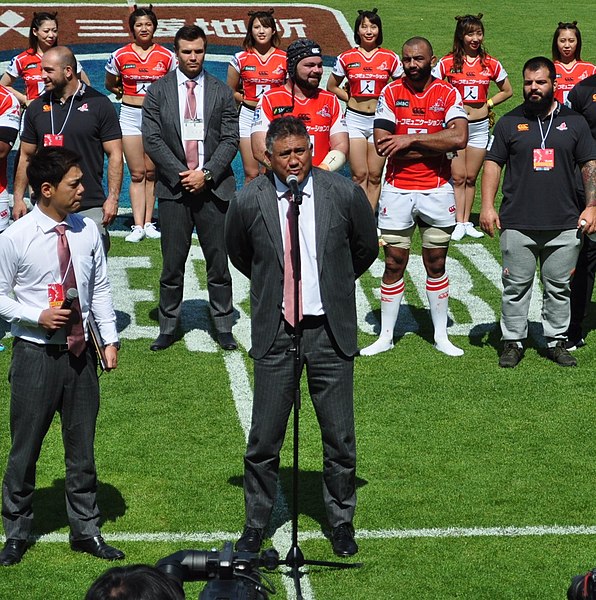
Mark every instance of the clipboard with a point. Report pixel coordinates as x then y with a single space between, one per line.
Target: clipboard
95 338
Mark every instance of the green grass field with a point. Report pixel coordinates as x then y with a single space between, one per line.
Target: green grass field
473 481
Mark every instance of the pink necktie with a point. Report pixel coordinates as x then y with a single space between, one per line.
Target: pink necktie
289 272
191 147
75 336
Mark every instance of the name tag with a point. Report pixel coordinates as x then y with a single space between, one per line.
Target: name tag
55 295
53 139
193 130
544 159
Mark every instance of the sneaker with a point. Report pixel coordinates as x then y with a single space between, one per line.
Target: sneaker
151 232
511 355
136 235
472 231
572 345
458 232
560 355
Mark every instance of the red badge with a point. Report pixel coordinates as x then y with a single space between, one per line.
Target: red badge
55 295
53 139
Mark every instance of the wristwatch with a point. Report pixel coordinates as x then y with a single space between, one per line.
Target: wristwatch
208 175
115 344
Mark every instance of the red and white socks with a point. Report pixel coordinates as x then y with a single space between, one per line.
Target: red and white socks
437 292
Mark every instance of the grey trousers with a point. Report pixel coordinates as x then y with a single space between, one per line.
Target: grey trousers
42 383
556 253
331 386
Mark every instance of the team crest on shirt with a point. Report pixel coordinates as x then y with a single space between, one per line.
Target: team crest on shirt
278 71
160 66
383 66
438 106
593 97
562 126
83 108
523 127
46 108
583 75
325 112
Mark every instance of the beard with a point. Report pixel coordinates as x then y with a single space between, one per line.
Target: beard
307 84
421 74
534 108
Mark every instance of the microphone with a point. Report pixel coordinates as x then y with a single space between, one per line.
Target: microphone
292 183
71 296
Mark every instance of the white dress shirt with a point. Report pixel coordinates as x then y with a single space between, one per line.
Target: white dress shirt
311 292
199 93
29 264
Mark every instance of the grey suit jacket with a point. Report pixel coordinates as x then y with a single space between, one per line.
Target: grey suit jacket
347 245
162 137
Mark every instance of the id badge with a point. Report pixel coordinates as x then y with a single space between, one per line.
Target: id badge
193 130
53 139
55 295
544 159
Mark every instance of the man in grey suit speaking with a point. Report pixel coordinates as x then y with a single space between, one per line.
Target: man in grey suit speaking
190 132
338 242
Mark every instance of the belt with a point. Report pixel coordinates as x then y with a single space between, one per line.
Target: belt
311 322
49 348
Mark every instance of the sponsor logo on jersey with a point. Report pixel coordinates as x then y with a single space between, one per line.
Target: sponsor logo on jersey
470 74
354 65
281 110
249 68
128 66
402 103
418 110
143 70
46 108
325 112
593 97
303 117
367 69
263 73
31 66
523 127
562 126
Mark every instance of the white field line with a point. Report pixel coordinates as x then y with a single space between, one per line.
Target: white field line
363 534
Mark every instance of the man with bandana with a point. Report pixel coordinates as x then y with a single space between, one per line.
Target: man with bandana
301 97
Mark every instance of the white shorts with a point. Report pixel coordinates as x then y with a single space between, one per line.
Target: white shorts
360 126
245 117
478 134
131 118
4 210
398 209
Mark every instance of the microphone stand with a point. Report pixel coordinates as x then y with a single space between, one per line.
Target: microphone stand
295 557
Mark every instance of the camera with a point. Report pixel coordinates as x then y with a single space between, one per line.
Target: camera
230 575
583 587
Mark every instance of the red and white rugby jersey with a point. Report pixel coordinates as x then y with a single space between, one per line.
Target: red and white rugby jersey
568 77
367 76
473 80
321 114
413 112
138 73
259 76
10 116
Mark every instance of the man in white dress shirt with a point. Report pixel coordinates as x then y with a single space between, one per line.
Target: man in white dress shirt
46 257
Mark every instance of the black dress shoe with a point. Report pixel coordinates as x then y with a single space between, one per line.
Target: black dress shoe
97 547
12 552
342 540
250 540
163 341
226 341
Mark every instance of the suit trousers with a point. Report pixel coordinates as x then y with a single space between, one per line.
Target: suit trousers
330 378
556 252
44 382
582 287
177 219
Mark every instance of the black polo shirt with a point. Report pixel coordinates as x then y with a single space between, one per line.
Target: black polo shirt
582 99
92 121
540 200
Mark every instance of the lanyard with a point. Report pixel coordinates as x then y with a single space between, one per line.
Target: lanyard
545 135
67 114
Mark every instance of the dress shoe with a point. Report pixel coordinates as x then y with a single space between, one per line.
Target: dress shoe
511 355
342 540
561 355
226 341
250 540
97 547
12 552
163 341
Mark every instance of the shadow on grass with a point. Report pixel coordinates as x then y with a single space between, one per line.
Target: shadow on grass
310 497
50 509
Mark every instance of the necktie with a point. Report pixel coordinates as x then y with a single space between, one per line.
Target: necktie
75 336
291 273
191 147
